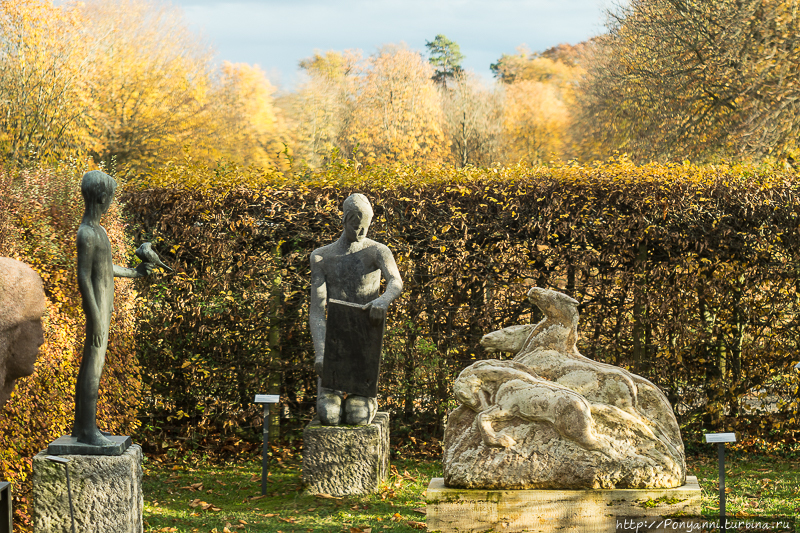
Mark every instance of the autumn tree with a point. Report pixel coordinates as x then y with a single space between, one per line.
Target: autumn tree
46 82
446 58
560 65
538 104
535 122
473 117
677 79
321 107
153 83
245 116
396 111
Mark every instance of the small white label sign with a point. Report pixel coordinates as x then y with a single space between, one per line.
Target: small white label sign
720 437
268 398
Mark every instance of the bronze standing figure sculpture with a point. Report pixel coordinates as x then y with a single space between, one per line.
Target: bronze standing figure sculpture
96 273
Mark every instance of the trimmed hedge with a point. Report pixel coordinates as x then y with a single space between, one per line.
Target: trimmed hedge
687 275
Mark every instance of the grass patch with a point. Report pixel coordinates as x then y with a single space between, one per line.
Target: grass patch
209 497
203 497
754 485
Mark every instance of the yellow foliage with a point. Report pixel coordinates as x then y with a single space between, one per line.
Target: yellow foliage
535 120
46 108
245 116
396 113
151 80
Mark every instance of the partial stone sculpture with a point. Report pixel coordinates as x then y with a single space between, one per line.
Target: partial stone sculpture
22 305
96 274
552 418
348 273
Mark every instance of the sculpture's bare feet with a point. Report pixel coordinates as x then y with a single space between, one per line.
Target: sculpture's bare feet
92 436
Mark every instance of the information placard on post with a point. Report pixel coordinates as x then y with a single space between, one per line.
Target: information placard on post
720 437
266 400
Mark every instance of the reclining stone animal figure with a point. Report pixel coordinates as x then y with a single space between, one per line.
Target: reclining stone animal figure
502 390
550 350
586 423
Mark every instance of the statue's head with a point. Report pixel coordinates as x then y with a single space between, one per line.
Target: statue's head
22 305
98 188
357 217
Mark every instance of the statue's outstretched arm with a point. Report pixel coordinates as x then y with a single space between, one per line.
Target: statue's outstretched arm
141 270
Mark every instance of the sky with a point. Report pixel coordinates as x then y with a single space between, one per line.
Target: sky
277 34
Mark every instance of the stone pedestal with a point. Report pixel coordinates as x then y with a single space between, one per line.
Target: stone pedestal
564 511
6 512
346 460
69 445
106 493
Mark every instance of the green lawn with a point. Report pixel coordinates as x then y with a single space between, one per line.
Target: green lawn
754 485
220 498
208 498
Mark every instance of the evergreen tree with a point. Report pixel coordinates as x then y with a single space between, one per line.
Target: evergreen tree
446 58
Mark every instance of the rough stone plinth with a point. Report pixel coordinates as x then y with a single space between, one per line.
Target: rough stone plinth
565 511
346 460
106 493
6 512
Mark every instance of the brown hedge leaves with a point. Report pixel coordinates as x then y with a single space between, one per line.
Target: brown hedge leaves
686 274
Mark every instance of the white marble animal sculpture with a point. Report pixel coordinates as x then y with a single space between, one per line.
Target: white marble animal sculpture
503 390
552 418
550 350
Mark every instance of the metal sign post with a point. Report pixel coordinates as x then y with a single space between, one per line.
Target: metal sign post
265 399
721 439
64 461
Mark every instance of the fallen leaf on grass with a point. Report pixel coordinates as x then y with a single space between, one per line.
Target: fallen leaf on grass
254 498
204 506
396 517
360 530
242 521
167 529
417 525
420 510
408 476
327 496
288 520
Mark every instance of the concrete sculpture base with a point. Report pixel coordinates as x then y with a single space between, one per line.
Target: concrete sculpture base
6 512
346 460
106 493
564 511
69 445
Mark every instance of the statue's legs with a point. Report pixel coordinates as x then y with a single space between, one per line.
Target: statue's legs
329 405
85 427
360 410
